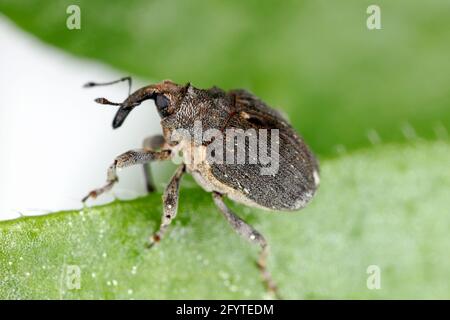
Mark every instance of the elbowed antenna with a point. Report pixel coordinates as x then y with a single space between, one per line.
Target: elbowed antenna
134 99
121 114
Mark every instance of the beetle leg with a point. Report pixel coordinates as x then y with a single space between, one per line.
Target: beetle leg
132 157
151 143
170 205
252 235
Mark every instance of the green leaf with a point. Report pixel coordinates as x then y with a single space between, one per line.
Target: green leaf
344 86
386 207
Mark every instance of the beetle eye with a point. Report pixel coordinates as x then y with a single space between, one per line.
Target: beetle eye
162 104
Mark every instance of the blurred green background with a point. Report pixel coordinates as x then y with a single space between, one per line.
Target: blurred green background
343 86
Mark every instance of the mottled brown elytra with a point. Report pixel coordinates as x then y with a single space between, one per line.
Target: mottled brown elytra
184 110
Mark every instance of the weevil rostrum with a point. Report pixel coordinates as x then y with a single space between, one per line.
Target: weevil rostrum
287 185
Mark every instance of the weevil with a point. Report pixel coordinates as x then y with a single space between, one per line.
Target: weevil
182 108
